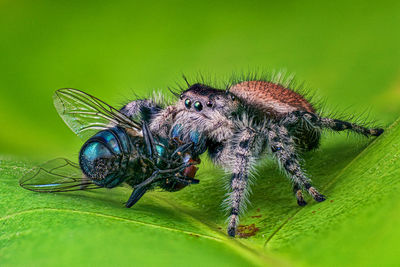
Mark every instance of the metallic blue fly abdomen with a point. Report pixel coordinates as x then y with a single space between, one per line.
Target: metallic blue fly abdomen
104 158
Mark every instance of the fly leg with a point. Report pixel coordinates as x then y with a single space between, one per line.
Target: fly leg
141 188
149 141
135 196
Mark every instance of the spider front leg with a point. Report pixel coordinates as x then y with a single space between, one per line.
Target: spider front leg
243 151
284 149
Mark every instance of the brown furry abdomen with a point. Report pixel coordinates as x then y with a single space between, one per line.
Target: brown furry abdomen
270 98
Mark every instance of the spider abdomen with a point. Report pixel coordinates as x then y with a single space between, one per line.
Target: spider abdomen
276 101
270 98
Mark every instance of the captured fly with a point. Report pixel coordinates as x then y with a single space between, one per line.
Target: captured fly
119 148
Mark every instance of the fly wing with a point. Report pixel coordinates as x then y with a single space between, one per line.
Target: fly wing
57 175
86 114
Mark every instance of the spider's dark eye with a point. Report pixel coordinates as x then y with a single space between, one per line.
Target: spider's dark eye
209 104
233 97
181 97
198 106
188 103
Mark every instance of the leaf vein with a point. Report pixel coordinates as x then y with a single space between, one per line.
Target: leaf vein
109 217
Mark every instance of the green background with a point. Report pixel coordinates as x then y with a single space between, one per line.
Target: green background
347 52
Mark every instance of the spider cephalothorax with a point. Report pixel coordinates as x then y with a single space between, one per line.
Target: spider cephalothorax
237 126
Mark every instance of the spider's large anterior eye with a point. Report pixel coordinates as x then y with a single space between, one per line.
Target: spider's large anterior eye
188 103
198 106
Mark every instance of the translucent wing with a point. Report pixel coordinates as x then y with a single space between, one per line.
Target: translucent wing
86 114
57 175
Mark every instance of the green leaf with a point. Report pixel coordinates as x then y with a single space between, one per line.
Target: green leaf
358 224
95 228
176 228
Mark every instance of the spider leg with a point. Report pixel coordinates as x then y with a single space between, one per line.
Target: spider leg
339 125
299 195
284 149
242 154
333 124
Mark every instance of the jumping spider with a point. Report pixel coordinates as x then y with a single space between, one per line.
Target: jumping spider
238 125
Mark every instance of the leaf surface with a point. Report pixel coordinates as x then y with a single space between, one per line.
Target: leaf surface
176 228
123 50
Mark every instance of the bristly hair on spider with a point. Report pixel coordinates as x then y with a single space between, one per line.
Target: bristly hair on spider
281 78
241 119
